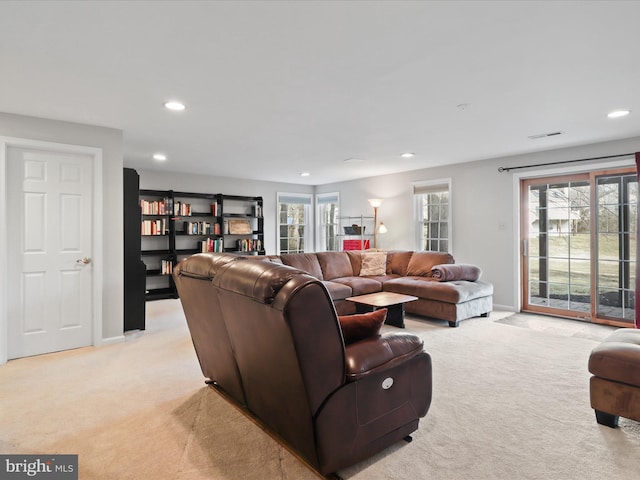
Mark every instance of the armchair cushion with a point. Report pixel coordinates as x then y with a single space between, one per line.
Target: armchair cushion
376 354
362 325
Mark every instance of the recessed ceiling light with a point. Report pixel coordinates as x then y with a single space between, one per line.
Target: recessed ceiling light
161 157
619 113
353 160
305 174
175 106
407 155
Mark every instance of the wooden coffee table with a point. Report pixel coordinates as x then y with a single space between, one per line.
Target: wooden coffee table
393 302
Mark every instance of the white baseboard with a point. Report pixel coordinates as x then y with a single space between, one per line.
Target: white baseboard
508 308
112 340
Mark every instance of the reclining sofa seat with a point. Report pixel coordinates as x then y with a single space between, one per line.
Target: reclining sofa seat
208 331
329 401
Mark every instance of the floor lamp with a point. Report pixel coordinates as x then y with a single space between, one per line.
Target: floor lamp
375 203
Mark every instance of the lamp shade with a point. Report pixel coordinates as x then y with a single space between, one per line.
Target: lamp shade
382 228
375 202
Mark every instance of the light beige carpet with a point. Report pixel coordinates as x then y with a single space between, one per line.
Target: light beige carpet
508 403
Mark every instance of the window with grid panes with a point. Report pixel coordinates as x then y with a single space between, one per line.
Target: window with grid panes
432 211
294 230
327 210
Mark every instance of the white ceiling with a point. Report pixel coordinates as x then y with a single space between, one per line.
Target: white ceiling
277 88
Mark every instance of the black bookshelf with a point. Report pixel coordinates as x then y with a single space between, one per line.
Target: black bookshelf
174 225
134 268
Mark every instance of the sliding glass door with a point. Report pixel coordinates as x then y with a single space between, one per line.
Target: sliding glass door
578 250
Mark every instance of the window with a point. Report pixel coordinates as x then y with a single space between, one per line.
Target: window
327 210
294 228
432 213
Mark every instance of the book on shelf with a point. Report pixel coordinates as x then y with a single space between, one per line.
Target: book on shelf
156 207
211 245
249 245
215 209
256 210
201 228
182 209
166 268
154 227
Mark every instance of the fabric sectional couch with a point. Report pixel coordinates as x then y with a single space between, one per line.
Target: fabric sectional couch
445 290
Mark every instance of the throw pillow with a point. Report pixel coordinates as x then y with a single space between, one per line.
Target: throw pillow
362 325
373 263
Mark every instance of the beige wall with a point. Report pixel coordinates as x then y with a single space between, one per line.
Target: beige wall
484 203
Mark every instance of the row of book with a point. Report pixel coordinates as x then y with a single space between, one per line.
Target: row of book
211 245
154 227
201 228
182 209
249 245
166 206
256 210
167 267
156 207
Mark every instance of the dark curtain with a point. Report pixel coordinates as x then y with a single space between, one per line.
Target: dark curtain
637 304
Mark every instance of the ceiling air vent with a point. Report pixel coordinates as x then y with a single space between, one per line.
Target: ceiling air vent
544 135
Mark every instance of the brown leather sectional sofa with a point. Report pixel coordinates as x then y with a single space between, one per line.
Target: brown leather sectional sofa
407 272
268 336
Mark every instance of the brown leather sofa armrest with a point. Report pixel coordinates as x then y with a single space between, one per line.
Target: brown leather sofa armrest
376 354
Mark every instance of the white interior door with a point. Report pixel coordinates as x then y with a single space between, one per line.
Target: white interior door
50 270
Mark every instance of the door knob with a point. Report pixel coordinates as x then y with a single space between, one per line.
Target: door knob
84 260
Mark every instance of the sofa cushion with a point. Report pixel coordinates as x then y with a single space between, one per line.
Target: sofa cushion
338 291
360 285
448 292
397 261
355 257
307 262
362 325
270 258
334 265
421 263
617 358
373 263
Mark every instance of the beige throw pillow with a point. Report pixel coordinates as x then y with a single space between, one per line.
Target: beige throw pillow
373 263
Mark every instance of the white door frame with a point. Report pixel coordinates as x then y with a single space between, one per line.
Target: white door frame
96 154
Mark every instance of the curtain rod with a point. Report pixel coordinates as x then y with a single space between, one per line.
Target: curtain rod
506 169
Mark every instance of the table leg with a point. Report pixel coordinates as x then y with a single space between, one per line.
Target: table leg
362 308
395 315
